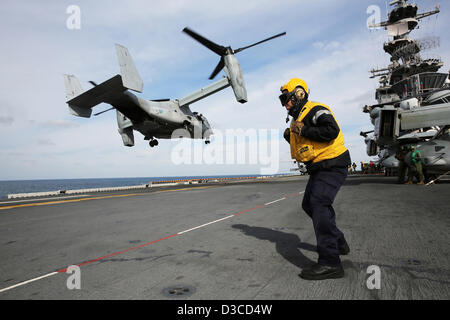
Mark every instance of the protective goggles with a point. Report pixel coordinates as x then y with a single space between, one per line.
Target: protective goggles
284 98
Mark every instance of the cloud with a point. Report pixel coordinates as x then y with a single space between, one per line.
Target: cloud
333 45
7 121
45 142
58 124
327 43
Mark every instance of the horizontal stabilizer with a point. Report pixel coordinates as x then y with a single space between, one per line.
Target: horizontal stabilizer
82 104
103 92
130 76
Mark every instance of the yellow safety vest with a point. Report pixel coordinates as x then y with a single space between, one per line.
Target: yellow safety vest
305 150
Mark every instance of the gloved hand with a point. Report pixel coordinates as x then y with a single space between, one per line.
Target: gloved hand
287 135
296 127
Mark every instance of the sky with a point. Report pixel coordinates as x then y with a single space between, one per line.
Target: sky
327 44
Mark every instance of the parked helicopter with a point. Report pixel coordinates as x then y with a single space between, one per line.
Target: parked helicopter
156 118
436 154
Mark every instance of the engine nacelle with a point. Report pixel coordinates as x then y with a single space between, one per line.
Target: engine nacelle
234 74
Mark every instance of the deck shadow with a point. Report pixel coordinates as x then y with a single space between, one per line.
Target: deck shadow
286 244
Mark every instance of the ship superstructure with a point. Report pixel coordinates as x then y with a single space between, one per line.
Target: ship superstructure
413 96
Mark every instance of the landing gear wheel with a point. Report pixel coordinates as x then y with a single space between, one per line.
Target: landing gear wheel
207 142
153 143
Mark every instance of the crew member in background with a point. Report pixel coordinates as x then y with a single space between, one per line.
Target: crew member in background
416 167
371 167
316 140
402 166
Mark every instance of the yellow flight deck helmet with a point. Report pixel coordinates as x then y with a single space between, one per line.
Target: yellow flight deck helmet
296 95
294 83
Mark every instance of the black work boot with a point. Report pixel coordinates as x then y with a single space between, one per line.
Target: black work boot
320 272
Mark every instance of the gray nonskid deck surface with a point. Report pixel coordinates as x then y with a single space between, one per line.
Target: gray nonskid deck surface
257 254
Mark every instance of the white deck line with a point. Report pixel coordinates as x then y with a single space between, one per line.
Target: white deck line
204 225
28 281
179 233
268 203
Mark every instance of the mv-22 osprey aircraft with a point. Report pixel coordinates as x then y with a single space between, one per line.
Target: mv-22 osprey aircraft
156 118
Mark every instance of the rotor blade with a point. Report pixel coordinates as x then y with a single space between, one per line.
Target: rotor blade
243 48
160 100
220 50
96 114
218 68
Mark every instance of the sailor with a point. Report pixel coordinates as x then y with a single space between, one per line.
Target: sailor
316 140
402 166
371 167
416 166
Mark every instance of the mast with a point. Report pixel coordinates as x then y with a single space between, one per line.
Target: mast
404 51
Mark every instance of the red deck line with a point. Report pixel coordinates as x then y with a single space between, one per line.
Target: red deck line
152 242
119 252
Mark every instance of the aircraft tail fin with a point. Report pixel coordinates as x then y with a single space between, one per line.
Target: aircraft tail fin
81 103
73 90
73 86
130 76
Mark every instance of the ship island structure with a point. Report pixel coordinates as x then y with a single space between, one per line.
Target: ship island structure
413 99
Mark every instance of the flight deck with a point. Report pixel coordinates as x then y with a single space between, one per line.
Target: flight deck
244 240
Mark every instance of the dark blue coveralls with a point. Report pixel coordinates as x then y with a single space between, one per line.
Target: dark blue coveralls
320 192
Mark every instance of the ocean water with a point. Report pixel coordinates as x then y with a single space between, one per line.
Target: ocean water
26 186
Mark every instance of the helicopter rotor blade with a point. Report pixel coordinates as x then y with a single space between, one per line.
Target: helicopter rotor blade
218 68
160 100
252 45
96 114
220 50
